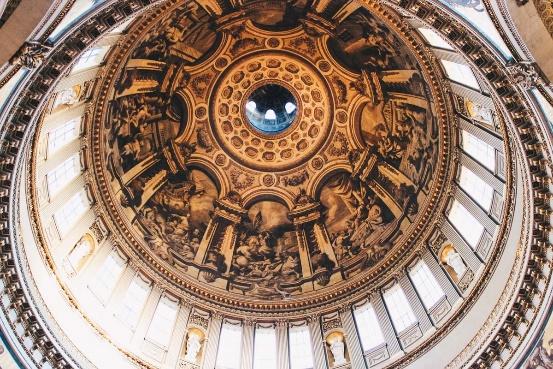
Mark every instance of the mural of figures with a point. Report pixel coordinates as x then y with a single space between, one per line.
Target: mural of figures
267 252
176 107
356 218
279 15
363 42
177 215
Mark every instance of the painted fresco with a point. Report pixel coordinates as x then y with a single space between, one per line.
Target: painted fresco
266 251
356 218
176 217
204 209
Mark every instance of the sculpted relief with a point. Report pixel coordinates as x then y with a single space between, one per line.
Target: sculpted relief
239 209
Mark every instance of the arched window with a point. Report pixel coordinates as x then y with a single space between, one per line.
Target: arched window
434 39
301 351
107 277
460 73
78 255
71 212
90 58
230 347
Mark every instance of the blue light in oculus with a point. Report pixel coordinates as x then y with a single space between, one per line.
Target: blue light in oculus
271 108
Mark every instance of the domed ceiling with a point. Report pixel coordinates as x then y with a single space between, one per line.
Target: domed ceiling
270 157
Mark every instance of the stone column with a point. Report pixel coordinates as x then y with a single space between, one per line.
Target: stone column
283 355
212 342
177 338
227 247
352 339
305 260
207 238
385 324
323 240
416 304
318 344
248 331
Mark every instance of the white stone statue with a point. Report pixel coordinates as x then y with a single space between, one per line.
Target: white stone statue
193 346
454 260
337 348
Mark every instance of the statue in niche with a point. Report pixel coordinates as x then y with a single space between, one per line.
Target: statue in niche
177 215
451 258
337 346
193 346
266 253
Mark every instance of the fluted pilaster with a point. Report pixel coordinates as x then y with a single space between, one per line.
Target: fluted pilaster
317 342
440 275
248 331
416 304
352 340
385 324
212 342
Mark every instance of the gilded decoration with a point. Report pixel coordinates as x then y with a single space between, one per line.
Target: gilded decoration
315 203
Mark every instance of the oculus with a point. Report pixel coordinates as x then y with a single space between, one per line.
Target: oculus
271 108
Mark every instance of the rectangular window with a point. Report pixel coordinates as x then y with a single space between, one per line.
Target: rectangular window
90 58
466 224
264 349
71 212
476 188
301 352
163 322
108 276
369 329
61 136
399 308
63 174
479 150
425 283
230 347
460 73
134 301
434 39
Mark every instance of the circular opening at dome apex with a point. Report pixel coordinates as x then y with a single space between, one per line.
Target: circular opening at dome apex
271 108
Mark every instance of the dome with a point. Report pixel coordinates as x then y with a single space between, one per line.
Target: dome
275 184
213 179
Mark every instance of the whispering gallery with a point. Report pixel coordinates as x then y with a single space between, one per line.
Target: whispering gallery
280 184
